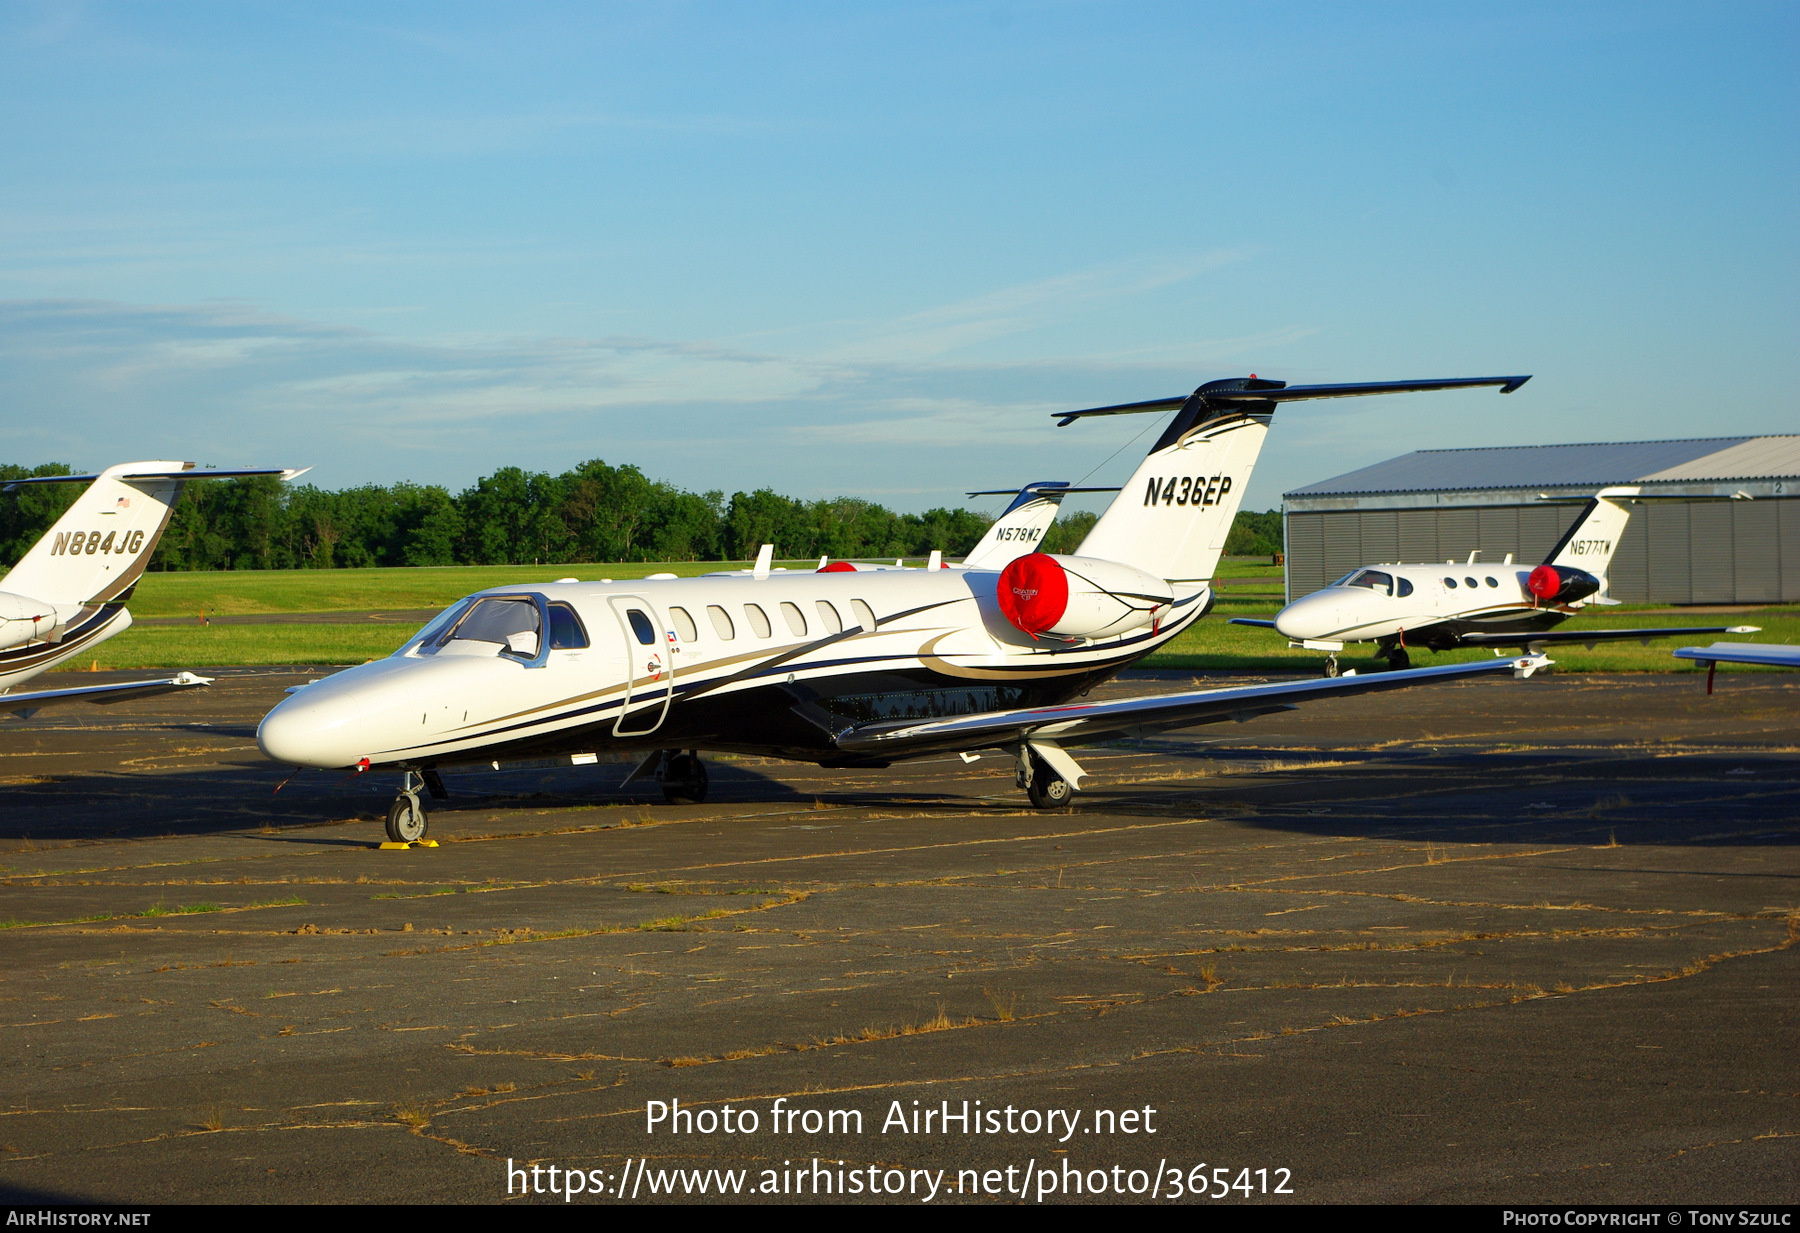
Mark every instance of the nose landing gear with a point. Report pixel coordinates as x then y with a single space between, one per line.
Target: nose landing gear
406 818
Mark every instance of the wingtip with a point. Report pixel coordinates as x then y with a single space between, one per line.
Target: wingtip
1513 383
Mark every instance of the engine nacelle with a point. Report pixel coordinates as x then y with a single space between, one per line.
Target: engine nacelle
1561 584
23 620
1080 597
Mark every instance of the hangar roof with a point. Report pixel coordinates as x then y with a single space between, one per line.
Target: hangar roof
1593 465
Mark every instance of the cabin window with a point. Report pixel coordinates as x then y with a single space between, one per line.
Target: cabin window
1375 580
1451 583
834 623
865 615
759 620
513 624
684 625
1472 583
721 622
566 632
1406 587
640 625
1492 583
795 618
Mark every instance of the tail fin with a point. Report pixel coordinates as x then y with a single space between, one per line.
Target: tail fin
1194 478
101 545
1591 542
1173 515
1020 530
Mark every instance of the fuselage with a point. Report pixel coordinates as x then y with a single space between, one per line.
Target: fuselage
1421 605
774 665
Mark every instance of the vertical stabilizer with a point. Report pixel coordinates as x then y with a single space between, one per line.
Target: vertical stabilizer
1173 515
100 546
1020 529
1590 543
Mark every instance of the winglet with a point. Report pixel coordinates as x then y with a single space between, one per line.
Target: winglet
765 557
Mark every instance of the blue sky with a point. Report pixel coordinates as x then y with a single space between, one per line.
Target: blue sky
851 249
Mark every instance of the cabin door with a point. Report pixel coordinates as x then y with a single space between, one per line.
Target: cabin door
649 667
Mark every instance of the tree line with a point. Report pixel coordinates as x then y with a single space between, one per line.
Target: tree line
594 512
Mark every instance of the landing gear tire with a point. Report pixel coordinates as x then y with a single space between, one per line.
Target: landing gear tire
1399 660
1047 789
407 821
684 780
1331 665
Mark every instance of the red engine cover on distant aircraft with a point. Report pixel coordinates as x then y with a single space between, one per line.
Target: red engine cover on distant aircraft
1033 592
1544 582
836 567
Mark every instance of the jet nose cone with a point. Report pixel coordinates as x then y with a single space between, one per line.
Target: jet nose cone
302 735
1310 616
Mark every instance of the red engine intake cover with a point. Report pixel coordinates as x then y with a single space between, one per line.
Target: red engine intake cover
1544 582
1033 593
836 567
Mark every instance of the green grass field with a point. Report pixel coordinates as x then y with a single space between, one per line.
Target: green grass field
1212 644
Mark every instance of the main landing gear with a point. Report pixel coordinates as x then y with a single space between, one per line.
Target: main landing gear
1331 665
1395 654
683 777
1044 786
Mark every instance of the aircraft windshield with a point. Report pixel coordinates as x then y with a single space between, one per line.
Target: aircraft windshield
426 638
1375 580
513 623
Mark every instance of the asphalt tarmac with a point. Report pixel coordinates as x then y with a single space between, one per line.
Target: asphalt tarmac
1493 941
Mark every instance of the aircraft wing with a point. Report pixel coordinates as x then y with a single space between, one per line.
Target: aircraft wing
1081 723
1769 654
25 705
1587 637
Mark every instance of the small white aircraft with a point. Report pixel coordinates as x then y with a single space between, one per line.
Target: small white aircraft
1468 604
843 668
67 594
1767 655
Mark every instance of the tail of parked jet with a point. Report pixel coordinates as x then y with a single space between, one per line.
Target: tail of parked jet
1590 543
1575 570
101 545
1022 526
1173 515
67 592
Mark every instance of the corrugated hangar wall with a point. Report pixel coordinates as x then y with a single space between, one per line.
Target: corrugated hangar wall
1672 551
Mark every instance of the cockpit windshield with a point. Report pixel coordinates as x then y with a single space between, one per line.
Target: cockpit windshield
427 638
513 623
502 625
1374 580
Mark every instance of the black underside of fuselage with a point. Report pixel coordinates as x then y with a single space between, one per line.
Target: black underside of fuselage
795 720
1447 635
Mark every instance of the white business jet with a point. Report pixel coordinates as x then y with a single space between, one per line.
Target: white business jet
842 669
1469 604
67 594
